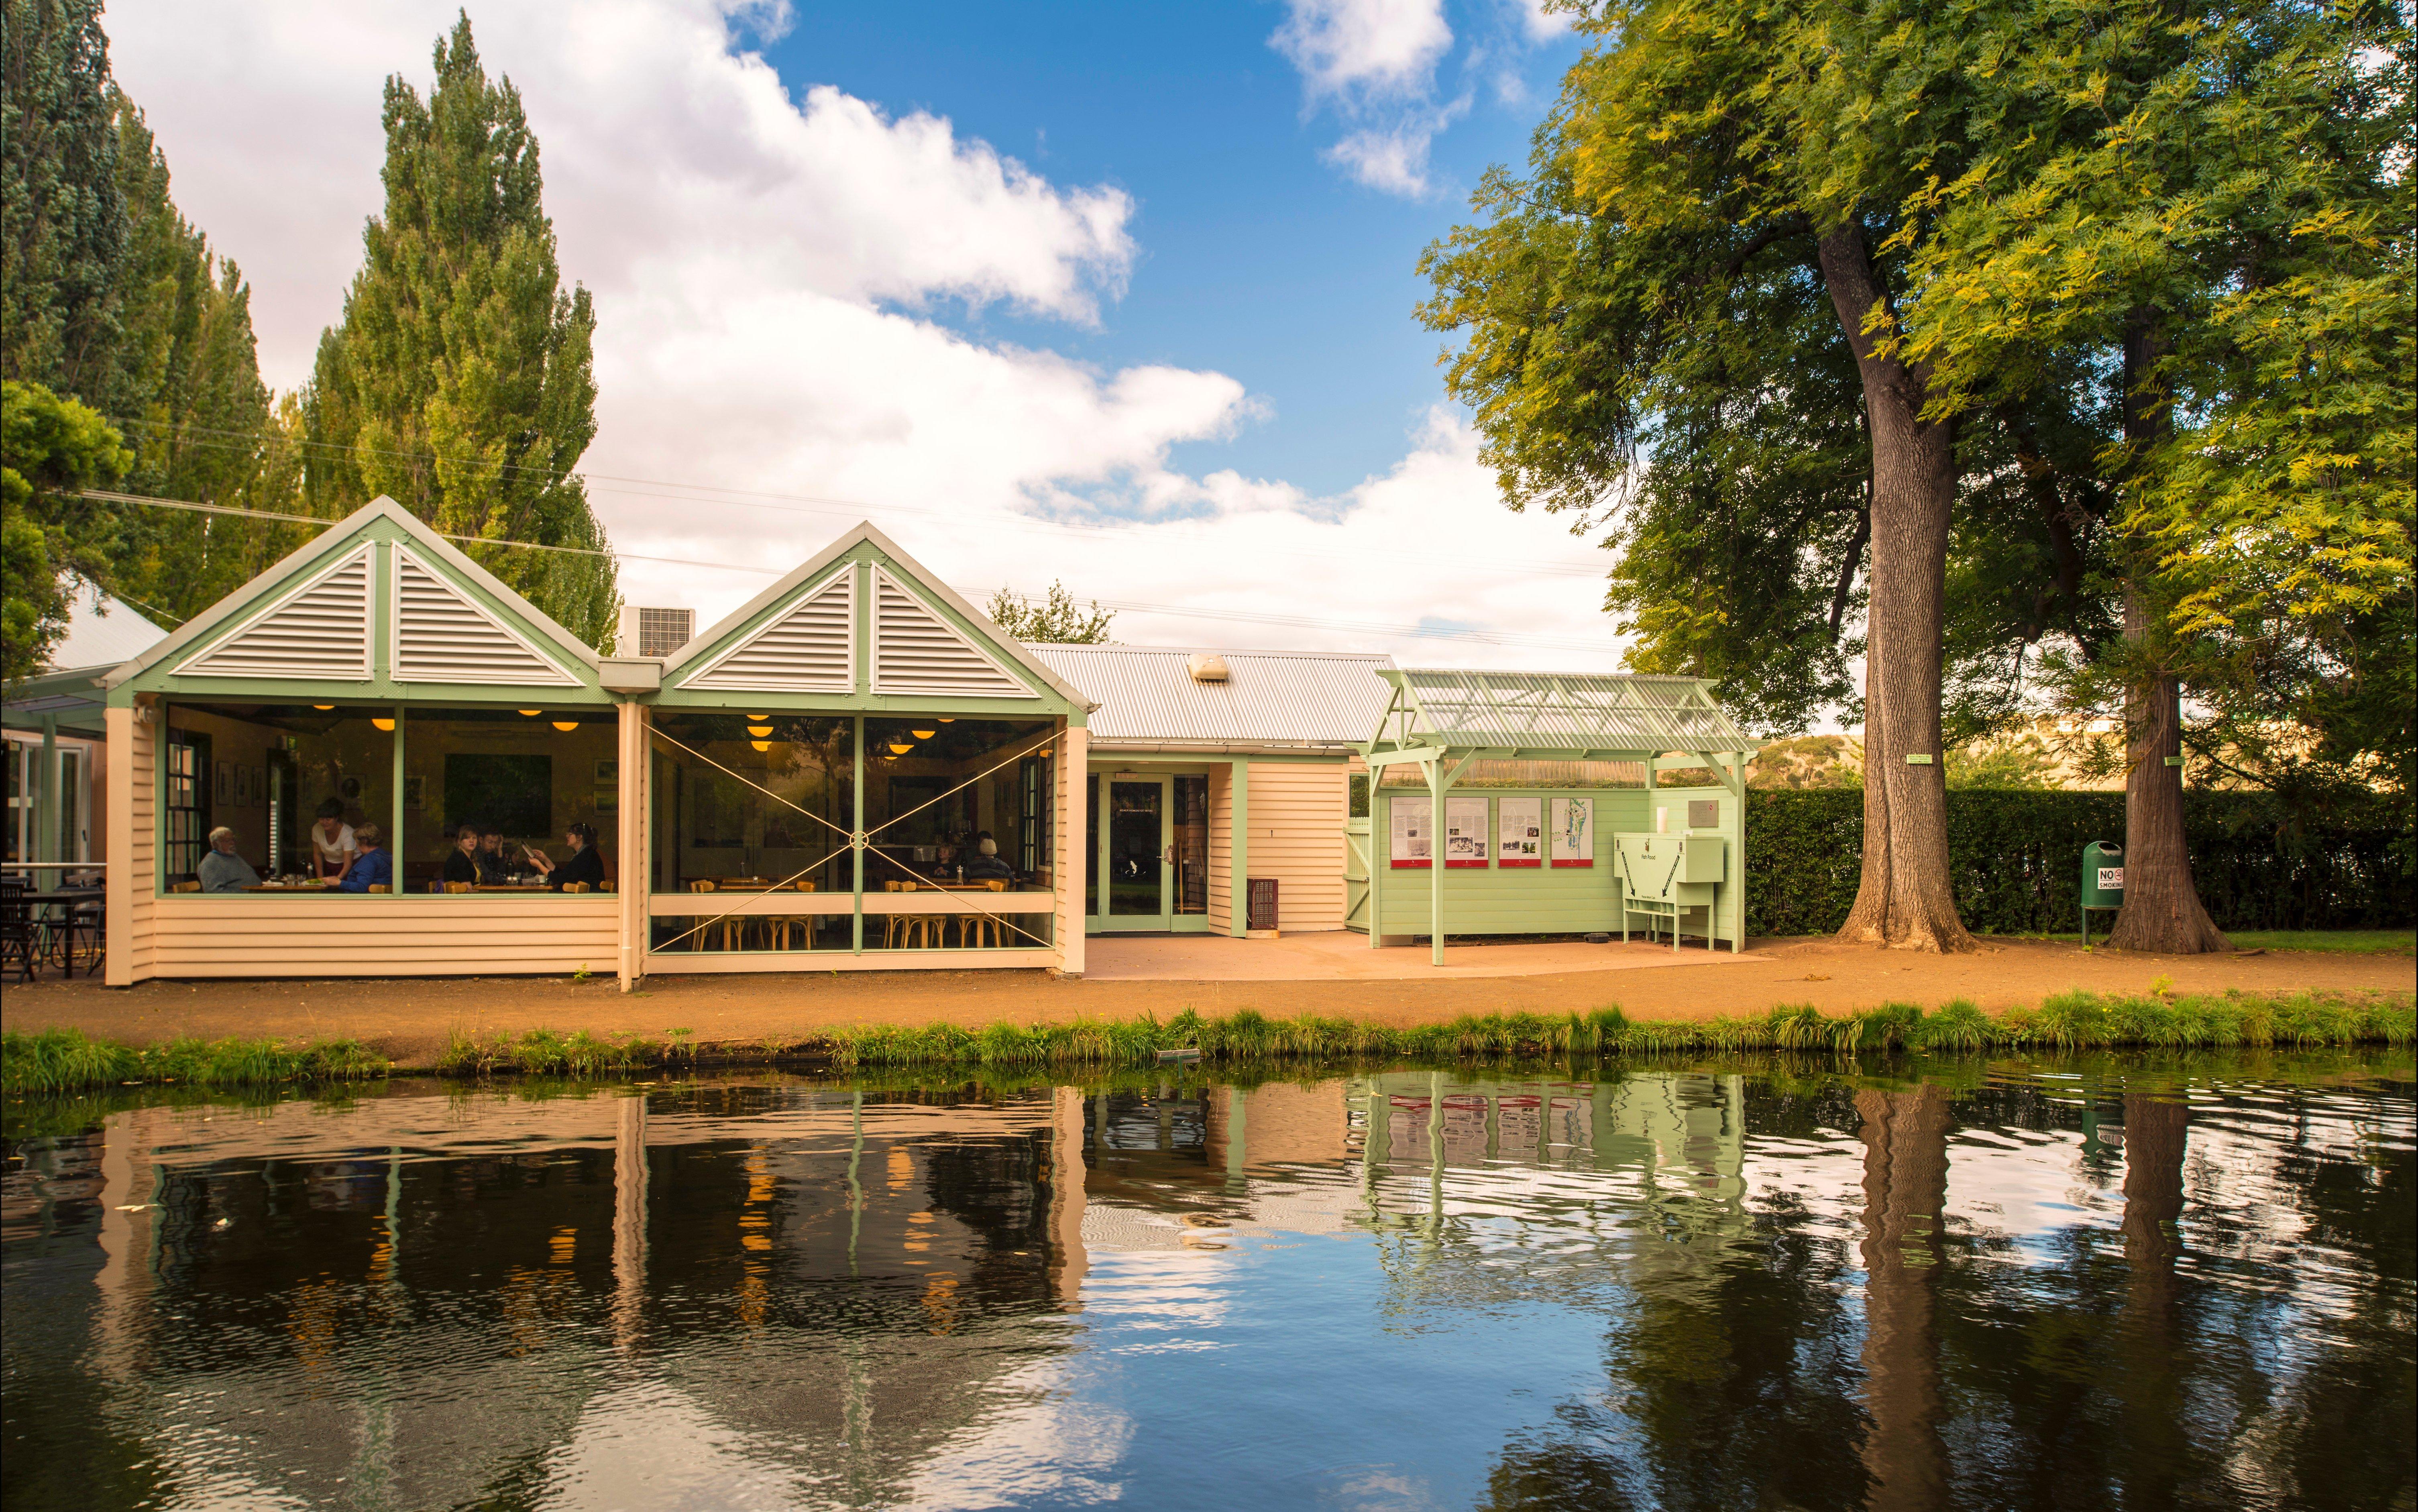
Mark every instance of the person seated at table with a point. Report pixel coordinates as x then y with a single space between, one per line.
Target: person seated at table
222 870
462 862
372 866
582 865
496 866
987 864
333 842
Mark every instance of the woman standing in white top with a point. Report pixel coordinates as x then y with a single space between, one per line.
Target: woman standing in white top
332 846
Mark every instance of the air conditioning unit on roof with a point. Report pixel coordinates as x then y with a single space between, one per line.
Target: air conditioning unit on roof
654 631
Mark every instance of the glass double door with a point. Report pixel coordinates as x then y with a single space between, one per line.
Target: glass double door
1150 852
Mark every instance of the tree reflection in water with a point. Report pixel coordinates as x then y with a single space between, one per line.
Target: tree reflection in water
1770 1285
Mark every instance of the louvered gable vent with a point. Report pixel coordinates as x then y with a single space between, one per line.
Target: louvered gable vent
320 630
810 650
441 636
915 650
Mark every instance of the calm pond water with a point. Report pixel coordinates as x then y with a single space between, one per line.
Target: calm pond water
2099 1282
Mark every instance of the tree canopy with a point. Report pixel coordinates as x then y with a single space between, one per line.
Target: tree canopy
459 381
1055 620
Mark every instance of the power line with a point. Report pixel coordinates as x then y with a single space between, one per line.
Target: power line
1122 607
823 504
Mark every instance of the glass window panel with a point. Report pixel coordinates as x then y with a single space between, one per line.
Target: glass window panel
936 789
518 782
310 761
1192 845
744 801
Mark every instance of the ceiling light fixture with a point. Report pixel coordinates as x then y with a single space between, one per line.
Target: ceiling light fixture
761 746
323 706
382 724
896 749
759 731
565 724
532 714
923 735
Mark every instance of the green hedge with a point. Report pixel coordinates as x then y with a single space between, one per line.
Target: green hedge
2016 860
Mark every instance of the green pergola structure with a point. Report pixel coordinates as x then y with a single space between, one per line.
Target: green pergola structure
1442 719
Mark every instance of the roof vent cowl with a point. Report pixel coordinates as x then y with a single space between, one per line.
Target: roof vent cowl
1206 666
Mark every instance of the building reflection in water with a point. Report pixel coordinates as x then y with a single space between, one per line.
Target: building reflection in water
1642 1288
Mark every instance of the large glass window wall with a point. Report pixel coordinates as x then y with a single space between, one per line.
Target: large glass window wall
519 780
301 786
295 782
753 815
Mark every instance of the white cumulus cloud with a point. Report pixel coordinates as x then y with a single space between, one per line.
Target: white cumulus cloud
772 261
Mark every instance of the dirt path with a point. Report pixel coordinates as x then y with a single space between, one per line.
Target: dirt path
410 1021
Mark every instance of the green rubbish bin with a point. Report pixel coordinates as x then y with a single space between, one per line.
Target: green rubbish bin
2102 883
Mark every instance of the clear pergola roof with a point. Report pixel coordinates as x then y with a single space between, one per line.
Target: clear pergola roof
1540 712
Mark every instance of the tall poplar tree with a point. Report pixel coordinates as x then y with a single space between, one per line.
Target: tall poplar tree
459 380
63 225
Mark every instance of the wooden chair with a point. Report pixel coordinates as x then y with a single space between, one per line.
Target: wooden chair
195 886
732 931
457 887
575 887
380 887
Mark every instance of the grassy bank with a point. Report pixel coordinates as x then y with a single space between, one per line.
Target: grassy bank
60 1060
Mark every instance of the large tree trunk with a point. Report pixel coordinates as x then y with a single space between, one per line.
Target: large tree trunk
2161 908
1905 1191
1905 901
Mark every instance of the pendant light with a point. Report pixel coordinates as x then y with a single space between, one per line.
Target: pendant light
382 724
761 746
323 707
896 749
759 732
564 725
923 735
531 713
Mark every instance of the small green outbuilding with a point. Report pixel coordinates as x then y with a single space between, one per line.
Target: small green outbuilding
1534 803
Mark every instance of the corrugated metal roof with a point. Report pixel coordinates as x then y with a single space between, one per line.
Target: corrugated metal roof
1567 711
1270 698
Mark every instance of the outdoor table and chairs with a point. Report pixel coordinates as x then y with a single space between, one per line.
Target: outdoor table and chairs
39 927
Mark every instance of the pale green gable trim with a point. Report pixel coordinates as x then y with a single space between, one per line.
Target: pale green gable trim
385 526
863 549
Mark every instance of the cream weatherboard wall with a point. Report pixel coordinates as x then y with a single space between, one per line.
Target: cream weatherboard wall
1295 835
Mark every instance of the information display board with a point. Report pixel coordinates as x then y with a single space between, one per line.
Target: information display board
1573 835
1414 834
1519 832
1464 831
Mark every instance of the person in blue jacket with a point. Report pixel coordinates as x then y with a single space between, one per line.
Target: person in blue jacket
372 867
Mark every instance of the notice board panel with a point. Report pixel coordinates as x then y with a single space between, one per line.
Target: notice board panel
1573 831
1413 835
1519 832
1464 831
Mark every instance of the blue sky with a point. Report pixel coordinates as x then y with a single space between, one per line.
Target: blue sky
1117 296
1257 258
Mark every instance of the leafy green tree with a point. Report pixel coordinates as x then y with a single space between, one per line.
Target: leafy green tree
1054 621
50 449
63 226
1807 761
459 381
1710 242
2210 204
2016 762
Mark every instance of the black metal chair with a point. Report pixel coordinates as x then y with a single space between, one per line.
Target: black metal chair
19 938
84 928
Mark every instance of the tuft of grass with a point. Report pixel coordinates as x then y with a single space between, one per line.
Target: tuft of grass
54 1060
64 1060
